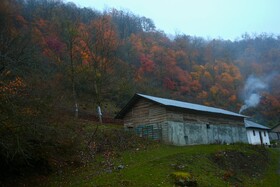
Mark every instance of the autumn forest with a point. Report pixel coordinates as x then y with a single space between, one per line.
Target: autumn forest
56 57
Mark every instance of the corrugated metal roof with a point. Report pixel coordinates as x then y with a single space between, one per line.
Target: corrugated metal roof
185 105
250 124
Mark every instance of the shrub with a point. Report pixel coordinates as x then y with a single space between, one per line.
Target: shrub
183 179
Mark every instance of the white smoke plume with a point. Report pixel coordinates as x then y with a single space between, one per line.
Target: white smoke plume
252 91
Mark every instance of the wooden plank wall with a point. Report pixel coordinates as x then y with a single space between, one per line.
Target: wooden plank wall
145 112
180 116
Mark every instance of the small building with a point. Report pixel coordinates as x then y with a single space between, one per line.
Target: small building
257 134
182 123
274 134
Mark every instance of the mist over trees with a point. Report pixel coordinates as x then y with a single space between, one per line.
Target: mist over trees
57 56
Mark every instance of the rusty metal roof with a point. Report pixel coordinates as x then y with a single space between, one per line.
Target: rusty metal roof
177 104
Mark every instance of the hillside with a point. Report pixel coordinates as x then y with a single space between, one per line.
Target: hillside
211 165
60 63
106 155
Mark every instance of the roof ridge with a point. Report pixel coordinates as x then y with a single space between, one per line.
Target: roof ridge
187 105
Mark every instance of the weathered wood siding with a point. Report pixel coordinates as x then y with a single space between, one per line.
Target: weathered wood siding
188 128
184 116
145 112
183 133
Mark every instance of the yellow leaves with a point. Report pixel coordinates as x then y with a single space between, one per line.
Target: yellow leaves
214 90
97 43
195 75
195 85
104 32
207 75
136 42
98 74
7 73
199 71
217 89
27 111
227 78
85 57
198 68
138 77
12 87
202 95
181 53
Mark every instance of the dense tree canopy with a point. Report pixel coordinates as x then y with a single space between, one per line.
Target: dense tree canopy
105 57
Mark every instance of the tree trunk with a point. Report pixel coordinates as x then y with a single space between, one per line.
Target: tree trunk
74 93
99 112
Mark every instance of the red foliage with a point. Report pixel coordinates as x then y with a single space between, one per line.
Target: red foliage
54 44
169 84
147 65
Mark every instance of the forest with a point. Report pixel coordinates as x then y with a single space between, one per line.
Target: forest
56 57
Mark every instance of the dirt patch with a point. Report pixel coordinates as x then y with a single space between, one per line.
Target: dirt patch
236 163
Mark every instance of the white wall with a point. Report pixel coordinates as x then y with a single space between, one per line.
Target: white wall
255 139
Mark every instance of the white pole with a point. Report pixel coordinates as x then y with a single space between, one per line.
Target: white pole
99 113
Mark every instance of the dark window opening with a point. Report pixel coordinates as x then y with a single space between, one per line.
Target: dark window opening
264 133
207 126
254 133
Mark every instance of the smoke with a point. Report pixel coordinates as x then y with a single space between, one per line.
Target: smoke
252 91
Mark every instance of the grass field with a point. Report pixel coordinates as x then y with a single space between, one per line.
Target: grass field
153 166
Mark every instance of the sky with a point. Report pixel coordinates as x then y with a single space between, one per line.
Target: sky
210 19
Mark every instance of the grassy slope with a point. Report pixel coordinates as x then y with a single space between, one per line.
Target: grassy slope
153 166
272 176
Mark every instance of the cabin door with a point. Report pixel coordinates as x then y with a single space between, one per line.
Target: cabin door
260 133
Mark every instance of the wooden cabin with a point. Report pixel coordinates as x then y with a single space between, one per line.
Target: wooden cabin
181 123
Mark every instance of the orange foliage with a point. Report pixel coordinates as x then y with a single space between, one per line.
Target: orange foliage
98 41
147 65
136 42
214 90
207 75
195 85
202 95
226 78
169 84
184 89
21 20
12 88
233 98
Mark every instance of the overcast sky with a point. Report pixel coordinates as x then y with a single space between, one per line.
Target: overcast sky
226 19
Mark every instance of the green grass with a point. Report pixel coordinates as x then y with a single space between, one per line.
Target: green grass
272 177
147 163
153 166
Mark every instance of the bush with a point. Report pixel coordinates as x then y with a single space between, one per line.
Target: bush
116 140
183 179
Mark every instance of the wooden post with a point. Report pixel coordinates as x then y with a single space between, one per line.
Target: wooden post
99 112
